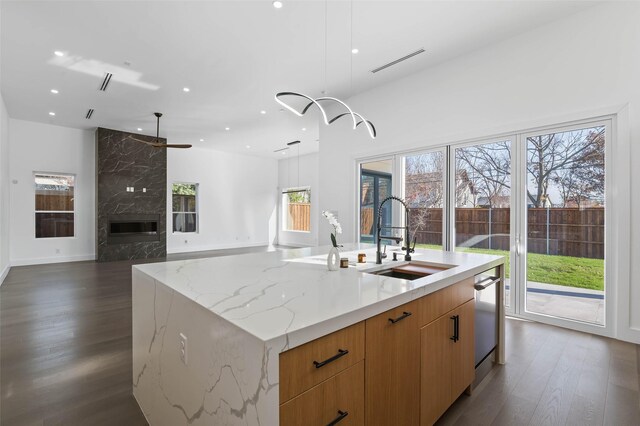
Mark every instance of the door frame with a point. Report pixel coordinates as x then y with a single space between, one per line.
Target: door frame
520 243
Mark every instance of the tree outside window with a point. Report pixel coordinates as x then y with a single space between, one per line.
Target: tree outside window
185 207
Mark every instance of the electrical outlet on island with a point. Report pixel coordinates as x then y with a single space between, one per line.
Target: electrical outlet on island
183 349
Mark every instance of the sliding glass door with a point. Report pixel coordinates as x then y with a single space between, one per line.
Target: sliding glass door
424 193
538 198
565 224
375 185
483 201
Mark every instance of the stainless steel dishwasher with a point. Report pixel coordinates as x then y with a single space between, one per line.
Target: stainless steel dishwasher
486 319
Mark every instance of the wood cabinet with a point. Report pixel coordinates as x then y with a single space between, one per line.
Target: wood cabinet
305 366
336 401
447 361
403 367
463 351
435 373
392 394
442 301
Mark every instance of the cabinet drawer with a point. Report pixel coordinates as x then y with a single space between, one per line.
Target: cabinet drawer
442 301
303 367
339 400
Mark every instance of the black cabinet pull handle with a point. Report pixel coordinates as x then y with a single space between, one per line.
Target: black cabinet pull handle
400 318
341 353
455 329
341 415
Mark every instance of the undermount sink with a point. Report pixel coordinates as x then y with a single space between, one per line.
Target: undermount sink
410 271
394 273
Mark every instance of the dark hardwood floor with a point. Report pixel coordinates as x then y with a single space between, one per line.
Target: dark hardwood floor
65 359
65 343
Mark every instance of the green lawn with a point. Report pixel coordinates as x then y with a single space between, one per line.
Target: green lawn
561 270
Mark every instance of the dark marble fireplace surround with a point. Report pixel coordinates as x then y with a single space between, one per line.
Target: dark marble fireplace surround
130 225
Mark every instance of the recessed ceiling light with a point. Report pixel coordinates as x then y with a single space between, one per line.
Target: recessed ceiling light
201 140
284 152
52 114
58 53
54 91
354 51
139 129
304 129
277 4
248 146
263 112
227 128
186 89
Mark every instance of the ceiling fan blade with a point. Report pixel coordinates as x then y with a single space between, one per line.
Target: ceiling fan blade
141 141
170 145
161 145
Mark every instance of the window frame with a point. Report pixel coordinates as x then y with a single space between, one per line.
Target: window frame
284 207
35 211
197 209
616 148
376 175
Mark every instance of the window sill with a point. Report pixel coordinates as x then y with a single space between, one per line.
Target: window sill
296 232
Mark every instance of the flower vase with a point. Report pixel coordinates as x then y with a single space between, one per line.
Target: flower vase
333 259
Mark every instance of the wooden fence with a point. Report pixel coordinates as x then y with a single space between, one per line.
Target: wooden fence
299 217
54 200
558 231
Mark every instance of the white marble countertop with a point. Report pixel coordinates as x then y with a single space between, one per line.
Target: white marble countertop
287 298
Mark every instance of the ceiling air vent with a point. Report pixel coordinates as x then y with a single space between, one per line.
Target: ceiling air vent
397 61
106 81
89 114
281 149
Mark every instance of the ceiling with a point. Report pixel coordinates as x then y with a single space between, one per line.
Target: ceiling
233 56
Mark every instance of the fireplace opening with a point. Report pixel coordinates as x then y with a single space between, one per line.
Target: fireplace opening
133 228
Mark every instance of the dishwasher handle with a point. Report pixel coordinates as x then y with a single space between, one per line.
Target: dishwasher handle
487 282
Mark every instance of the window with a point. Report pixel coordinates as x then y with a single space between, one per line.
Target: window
296 207
55 210
185 207
424 193
375 186
539 198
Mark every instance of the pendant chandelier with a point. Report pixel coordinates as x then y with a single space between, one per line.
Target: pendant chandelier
356 118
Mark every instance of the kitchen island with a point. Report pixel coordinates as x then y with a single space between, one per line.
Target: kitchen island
210 335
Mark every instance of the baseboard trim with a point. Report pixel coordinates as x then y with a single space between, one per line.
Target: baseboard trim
46 260
294 245
215 247
631 335
4 273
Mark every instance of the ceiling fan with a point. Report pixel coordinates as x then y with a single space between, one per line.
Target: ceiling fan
157 143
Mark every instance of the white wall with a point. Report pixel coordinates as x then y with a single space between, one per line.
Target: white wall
237 199
4 191
575 68
288 178
37 147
